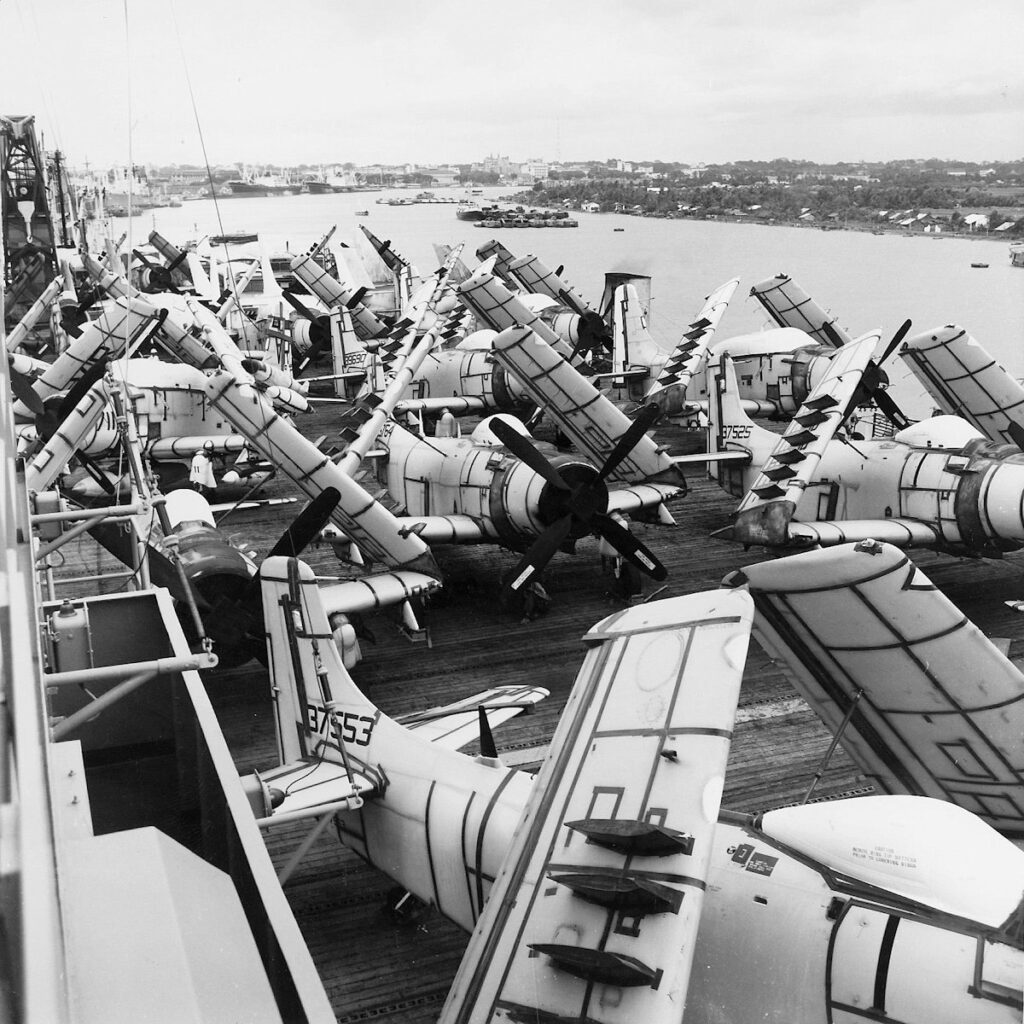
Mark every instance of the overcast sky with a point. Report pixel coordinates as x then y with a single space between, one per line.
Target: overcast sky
310 81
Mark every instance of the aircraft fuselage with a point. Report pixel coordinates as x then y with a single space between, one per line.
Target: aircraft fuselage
783 938
469 374
510 502
969 494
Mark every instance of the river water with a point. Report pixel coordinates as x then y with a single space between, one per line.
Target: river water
867 280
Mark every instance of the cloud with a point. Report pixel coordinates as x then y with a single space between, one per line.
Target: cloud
316 80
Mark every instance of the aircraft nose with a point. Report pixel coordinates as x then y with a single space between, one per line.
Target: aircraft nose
1002 502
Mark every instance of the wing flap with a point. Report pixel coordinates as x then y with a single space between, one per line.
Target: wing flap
935 708
619 825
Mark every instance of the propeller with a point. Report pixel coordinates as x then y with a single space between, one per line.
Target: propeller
591 335
72 317
579 505
21 386
319 330
155 277
875 380
236 622
51 412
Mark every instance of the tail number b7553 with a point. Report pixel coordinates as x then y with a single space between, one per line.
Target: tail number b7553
355 729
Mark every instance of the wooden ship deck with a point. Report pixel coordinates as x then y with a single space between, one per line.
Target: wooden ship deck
380 966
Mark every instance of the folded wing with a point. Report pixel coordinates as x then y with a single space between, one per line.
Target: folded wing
595 912
934 707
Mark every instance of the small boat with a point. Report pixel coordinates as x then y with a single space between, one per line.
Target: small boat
618 229
362 213
982 265
234 238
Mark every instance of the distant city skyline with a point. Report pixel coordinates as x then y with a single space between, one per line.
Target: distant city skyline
316 81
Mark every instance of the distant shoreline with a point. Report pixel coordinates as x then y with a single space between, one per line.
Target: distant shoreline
863 228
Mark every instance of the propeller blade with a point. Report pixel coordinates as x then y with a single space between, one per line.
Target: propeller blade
81 388
570 301
896 339
307 524
832 334
142 256
1016 432
890 409
645 419
524 450
97 474
628 546
22 388
298 306
177 261
541 552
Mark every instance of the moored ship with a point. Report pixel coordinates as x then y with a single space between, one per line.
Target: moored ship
261 185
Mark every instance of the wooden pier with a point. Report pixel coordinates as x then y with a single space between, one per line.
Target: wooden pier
382 966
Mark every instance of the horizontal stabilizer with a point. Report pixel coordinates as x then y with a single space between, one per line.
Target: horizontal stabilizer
455 725
902 533
934 707
379 590
619 823
457 405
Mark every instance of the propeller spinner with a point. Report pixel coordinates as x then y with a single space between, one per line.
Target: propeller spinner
576 503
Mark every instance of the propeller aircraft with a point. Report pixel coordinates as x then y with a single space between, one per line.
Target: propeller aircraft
467 490
614 888
945 482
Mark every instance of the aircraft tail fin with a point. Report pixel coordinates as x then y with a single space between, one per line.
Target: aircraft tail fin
323 720
200 279
729 425
631 341
616 800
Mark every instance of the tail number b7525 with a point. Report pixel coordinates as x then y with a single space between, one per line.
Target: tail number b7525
735 432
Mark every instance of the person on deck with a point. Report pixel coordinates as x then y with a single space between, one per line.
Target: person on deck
200 474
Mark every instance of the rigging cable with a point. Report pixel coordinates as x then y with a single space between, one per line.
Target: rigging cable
206 158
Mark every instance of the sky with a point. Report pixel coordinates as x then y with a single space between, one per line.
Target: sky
328 81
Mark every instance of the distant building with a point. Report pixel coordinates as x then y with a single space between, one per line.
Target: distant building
533 170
